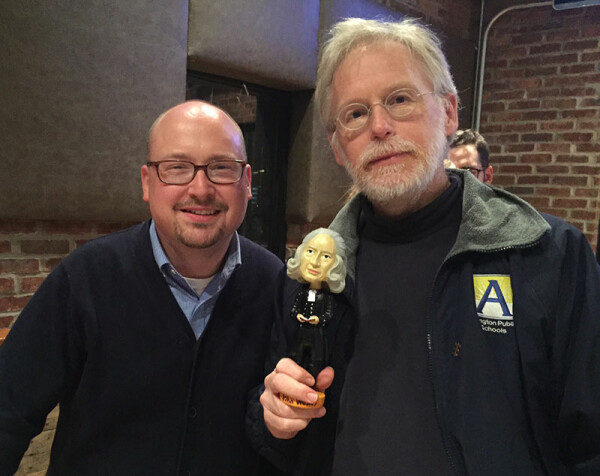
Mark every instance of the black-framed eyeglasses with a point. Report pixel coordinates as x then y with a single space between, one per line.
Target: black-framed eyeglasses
398 104
475 171
182 172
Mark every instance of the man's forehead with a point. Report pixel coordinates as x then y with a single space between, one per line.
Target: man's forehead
201 122
379 65
365 53
465 155
195 151
193 117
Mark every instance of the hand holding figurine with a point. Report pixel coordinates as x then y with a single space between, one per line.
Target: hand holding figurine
290 379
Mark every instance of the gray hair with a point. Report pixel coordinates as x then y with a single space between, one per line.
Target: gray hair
336 277
351 33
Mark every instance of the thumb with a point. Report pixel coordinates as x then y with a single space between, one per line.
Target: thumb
324 379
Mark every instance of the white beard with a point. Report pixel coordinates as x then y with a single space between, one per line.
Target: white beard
407 180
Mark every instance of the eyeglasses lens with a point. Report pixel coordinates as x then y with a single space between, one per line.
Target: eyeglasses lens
180 172
398 104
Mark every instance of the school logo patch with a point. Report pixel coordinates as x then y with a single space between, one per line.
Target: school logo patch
494 302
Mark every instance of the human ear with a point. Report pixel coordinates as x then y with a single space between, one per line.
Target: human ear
145 194
334 143
451 112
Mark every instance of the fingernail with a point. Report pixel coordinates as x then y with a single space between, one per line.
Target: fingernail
312 397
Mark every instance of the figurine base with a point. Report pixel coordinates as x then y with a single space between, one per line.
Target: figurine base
292 402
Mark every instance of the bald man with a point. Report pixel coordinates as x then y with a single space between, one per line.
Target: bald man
143 337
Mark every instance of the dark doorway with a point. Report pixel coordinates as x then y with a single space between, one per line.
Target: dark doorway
598 244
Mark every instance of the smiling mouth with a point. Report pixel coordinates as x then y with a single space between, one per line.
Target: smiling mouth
201 212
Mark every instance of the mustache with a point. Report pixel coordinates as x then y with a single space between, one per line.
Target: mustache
390 146
201 203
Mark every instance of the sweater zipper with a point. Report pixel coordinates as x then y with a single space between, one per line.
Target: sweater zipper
448 447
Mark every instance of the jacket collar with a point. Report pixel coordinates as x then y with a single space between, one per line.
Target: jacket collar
492 219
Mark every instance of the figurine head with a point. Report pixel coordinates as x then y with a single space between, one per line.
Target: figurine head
320 259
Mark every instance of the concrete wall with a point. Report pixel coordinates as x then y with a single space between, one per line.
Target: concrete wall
81 83
85 83
268 42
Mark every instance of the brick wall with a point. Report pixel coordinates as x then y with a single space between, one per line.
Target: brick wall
541 111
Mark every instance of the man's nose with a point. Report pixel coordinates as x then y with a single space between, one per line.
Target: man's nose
200 185
381 122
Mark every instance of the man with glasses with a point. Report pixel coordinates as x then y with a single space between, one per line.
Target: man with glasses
477 337
469 151
149 339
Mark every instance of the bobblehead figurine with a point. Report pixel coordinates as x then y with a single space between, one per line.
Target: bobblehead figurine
319 264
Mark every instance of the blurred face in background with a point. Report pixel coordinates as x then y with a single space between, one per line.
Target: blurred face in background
466 157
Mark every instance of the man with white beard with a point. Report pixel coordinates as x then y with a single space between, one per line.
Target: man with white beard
476 319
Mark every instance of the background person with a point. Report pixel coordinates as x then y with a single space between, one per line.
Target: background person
478 319
469 151
143 336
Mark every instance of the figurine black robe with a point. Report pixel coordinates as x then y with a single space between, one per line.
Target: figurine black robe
309 348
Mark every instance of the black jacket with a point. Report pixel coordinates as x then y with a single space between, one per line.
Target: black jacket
517 392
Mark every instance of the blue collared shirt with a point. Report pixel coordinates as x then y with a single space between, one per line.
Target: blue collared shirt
197 308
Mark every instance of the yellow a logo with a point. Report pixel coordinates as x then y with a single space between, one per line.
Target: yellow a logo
493 296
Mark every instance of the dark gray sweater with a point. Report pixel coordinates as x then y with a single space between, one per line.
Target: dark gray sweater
138 395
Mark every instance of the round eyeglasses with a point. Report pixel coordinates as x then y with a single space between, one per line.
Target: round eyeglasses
398 103
182 172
